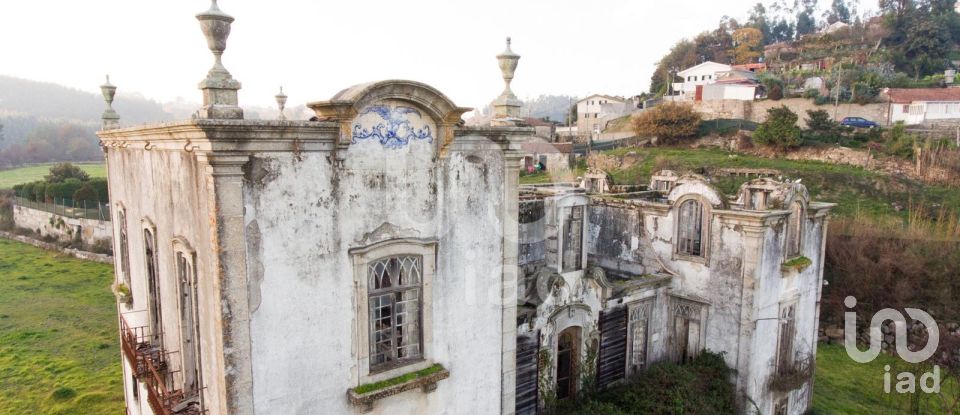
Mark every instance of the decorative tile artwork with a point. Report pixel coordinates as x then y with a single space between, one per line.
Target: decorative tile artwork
394 126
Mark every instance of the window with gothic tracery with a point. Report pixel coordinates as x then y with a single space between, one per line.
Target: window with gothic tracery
394 292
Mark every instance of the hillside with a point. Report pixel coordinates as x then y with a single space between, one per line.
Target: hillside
901 44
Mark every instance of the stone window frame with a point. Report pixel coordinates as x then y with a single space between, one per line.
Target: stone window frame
692 309
558 217
123 248
361 257
787 309
647 307
793 244
706 217
183 251
147 225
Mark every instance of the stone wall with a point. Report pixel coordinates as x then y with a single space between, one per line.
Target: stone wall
756 111
62 227
88 256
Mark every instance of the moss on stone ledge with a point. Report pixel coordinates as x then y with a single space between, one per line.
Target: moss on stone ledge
371 387
798 263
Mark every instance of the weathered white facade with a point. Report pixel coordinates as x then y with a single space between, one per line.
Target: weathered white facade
698 75
748 286
278 221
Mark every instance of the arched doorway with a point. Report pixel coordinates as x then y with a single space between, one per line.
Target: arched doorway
568 357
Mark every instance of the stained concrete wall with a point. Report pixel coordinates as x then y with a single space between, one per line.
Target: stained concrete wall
742 283
62 227
756 111
304 321
167 191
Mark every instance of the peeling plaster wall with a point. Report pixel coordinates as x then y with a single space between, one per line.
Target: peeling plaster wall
613 238
302 218
717 283
168 189
777 286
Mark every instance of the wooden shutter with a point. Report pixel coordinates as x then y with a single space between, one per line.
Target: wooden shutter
528 346
612 358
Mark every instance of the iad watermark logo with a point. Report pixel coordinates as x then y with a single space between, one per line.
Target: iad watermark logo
929 382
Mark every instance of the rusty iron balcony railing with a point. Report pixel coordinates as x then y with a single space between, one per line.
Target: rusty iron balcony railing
160 398
139 349
150 363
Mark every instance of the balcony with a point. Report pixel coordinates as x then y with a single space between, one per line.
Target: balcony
138 349
150 364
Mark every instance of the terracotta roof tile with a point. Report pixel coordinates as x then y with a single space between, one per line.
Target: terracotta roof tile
906 96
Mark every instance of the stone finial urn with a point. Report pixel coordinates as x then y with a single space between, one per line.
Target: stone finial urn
110 118
215 25
508 63
281 103
219 88
507 105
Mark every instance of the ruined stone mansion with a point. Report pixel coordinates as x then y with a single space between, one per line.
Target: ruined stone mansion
382 258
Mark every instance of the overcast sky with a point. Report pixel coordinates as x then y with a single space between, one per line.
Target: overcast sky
315 48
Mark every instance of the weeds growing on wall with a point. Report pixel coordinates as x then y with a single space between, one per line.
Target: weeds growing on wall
698 387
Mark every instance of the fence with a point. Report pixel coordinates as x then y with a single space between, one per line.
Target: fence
82 209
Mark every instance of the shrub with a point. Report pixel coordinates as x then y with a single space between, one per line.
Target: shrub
779 130
899 142
822 99
667 122
699 387
86 192
63 190
811 93
61 172
100 185
776 93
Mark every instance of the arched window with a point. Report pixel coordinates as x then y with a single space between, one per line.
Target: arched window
153 285
690 228
189 320
795 230
393 291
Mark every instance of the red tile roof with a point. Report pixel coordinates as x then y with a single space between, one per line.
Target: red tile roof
906 96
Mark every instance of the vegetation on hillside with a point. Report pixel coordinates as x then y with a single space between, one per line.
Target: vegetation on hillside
908 44
59 352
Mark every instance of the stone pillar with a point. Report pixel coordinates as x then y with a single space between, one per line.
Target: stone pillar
753 236
511 207
224 177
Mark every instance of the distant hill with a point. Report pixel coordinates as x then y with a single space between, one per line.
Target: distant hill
51 101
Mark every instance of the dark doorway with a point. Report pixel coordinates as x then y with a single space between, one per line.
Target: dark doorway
567 353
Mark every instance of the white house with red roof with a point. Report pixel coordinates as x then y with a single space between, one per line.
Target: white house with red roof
923 105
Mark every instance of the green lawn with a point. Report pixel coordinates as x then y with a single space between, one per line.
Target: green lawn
853 188
843 386
11 177
59 351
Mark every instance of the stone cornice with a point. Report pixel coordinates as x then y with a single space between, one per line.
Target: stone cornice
225 135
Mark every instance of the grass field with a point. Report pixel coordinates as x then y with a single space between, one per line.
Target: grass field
854 189
59 350
11 177
843 386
